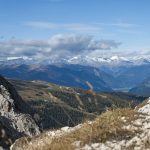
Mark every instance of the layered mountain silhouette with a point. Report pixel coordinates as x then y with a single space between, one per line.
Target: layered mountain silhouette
104 79
68 75
142 89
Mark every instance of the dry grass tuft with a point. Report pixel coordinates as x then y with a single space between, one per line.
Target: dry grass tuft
108 125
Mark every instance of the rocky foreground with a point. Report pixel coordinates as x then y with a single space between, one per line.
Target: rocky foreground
14 120
114 130
120 129
140 141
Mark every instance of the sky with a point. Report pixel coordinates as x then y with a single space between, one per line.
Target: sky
47 28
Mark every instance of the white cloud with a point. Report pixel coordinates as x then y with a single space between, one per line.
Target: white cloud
119 25
55 46
76 27
89 28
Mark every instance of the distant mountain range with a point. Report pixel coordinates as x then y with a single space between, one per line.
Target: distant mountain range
69 75
99 74
96 61
142 89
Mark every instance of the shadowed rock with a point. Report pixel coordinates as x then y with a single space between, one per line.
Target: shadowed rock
14 120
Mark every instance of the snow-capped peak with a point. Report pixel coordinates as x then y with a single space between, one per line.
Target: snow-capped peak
96 61
114 58
21 57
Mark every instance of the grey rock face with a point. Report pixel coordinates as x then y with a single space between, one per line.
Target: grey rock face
14 120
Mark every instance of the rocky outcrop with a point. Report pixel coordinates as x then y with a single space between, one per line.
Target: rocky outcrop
139 141
136 125
14 118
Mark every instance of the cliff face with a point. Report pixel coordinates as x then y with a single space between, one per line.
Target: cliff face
14 120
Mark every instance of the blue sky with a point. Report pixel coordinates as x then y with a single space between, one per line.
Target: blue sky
125 22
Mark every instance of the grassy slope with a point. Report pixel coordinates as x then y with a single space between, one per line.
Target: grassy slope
59 106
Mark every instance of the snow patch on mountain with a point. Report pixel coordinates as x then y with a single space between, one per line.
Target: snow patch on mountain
15 58
96 61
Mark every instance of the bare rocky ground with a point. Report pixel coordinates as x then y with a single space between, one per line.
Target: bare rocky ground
14 120
141 141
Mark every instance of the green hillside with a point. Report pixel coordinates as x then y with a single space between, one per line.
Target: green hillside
58 106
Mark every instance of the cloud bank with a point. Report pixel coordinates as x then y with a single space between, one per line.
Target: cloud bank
55 46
